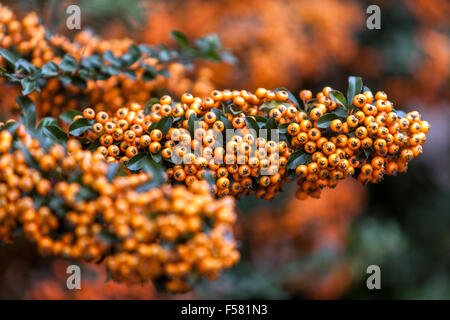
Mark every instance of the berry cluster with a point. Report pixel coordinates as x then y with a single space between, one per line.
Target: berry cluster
319 143
368 143
71 203
140 82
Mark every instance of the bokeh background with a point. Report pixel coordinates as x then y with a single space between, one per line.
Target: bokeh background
313 249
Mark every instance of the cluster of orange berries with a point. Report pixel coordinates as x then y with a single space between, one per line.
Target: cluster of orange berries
67 202
28 38
366 142
235 164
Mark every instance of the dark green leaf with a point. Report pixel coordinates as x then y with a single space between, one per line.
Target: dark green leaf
113 168
68 63
25 65
269 105
67 116
365 88
157 172
11 127
292 97
79 82
228 57
130 74
111 70
47 121
149 74
86 194
65 79
165 124
339 98
191 123
271 124
28 116
55 133
283 127
50 69
325 120
355 85
109 56
133 55
9 56
251 123
28 86
92 61
149 104
261 121
80 126
28 157
340 112
399 113
180 38
298 158
137 162
157 157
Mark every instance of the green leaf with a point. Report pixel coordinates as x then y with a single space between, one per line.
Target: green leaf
130 74
11 127
366 88
340 112
133 55
25 65
191 123
47 121
283 127
28 116
28 157
165 124
228 57
298 158
226 122
111 70
86 194
325 120
269 105
92 61
55 133
109 56
339 98
180 38
251 123
271 124
355 85
28 86
149 104
9 56
157 157
65 79
67 116
68 63
364 155
157 172
400 113
292 97
113 168
229 109
137 162
50 69
79 127
261 121
149 74
79 82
